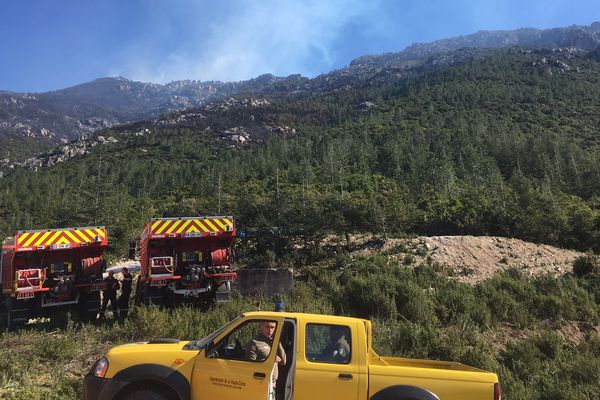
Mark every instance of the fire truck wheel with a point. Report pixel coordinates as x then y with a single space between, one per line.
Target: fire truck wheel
8 308
10 314
145 394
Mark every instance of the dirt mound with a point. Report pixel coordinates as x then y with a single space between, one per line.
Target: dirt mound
478 257
475 258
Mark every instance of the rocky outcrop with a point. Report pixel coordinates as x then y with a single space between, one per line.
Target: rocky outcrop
59 155
241 135
580 37
79 111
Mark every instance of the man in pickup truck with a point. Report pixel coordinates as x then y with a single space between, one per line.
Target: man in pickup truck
259 348
338 349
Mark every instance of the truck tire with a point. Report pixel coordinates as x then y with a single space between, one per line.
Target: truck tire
10 323
404 392
3 313
145 394
17 313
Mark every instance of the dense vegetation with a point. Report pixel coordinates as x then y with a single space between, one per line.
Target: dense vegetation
497 146
537 334
505 145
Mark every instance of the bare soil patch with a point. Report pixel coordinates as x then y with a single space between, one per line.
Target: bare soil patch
474 258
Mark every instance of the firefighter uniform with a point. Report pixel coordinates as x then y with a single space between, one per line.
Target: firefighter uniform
110 294
126 283
259 348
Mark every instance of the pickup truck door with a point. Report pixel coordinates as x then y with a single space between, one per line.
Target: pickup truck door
323 374
223 370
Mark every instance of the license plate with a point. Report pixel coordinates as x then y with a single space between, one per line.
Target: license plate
159 282
26 295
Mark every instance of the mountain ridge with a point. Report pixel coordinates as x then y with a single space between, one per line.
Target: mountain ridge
60 116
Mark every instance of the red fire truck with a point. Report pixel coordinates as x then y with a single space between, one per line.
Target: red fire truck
186 259
43 270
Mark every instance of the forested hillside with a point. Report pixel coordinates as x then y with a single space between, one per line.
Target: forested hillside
504 145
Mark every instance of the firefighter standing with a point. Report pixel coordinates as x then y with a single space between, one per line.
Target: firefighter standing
125 292
259 348
110 294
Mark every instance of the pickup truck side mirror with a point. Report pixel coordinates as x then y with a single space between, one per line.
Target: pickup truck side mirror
210 351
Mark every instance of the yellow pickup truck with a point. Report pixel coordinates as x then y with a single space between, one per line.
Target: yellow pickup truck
280 356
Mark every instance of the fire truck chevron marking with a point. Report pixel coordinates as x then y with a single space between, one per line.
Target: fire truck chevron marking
72 237
173 226
82 237
163 226
192 229
42 238
63 240
53 238
218 222
31 239
22 238
61 236
202 226
210 224
190 225
155 224
183 227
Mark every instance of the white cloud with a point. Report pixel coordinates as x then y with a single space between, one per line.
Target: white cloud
270 36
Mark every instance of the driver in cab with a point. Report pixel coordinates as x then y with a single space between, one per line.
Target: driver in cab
259 348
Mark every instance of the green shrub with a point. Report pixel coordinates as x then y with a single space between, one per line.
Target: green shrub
412 302
454 300
585 265
405 338
56 347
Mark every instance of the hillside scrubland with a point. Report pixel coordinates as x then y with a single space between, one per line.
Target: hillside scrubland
539 334
505 145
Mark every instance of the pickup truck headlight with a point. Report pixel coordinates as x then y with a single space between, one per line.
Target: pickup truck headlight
101 367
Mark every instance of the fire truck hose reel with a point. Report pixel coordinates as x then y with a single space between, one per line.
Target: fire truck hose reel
39 279
219 257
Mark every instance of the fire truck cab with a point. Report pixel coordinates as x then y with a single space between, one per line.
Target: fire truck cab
186 259
43 270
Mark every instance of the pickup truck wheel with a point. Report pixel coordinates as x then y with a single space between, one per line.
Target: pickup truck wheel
145 394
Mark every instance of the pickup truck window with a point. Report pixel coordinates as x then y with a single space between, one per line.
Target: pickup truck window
328 343
199 344
251 341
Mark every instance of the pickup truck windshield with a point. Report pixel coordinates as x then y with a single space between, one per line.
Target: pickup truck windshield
199 344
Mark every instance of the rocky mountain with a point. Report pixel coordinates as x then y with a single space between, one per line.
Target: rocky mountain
76 112
234 121
275 107
580 37
61 116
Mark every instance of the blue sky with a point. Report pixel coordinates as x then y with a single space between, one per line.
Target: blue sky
47 45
